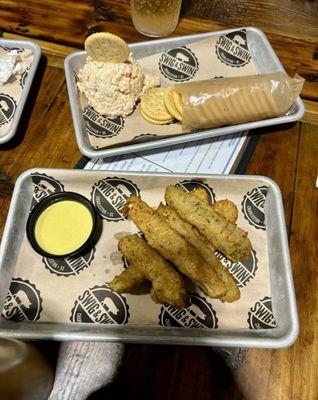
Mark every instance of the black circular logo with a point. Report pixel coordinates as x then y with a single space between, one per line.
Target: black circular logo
232 49
261 316
179 64
70 265
23 301
43 186
242 272
23 77
189 186
101 306
253 206
7 108
199 314
109 196
101 126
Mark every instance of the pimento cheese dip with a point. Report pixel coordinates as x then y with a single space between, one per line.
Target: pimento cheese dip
113 89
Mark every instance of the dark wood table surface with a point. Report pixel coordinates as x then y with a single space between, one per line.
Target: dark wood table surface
288 154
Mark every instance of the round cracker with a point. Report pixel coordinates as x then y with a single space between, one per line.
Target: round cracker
106 47
152 104
170 106
155 121
177 99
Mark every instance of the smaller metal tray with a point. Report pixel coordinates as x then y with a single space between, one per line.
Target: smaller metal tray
36 50
263 55
280 273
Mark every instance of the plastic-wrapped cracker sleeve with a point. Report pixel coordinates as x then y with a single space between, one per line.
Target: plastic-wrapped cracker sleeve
228 101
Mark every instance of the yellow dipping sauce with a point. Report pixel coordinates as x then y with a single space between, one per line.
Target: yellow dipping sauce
63 227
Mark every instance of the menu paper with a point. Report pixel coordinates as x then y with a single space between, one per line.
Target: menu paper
75 290
226 55
216 155
11 91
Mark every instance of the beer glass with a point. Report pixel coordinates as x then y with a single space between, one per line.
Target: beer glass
155 17
24 372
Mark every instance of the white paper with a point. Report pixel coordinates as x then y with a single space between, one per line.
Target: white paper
210 156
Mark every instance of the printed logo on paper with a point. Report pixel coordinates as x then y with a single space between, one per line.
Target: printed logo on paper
43 186
179 64
189 186
23 301
100 305
100 126
231 49
76 78
261 316
24 76
199 314
242 272
253 206
143 137
109 196
69 266
7 108
17 49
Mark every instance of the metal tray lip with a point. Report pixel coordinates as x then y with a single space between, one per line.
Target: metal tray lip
285 340
135 147
174 140
11 212
226 340
25 92
25 174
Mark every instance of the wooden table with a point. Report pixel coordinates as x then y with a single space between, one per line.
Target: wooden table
287 154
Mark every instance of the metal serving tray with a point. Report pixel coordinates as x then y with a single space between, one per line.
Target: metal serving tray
36 49
262 54
283 296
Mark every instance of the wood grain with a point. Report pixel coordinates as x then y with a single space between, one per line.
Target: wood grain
288 154
304 253
290 26
69 21
277 144
45 136
294 19
292 373
311 114
170 373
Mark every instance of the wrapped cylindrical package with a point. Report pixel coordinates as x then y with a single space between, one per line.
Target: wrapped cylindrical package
228 101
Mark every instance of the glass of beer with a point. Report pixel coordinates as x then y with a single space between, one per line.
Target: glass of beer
155 17
24 372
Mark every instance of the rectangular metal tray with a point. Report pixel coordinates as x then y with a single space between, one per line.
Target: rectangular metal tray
283 296
36 49
262 54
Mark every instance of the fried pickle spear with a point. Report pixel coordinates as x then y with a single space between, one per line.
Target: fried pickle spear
172 246
131 277
204 248
167 284
128 279
223 234
225 207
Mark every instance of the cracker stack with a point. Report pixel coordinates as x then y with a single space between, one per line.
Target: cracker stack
160 106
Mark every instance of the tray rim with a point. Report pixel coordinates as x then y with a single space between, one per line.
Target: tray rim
26 90
81 332
204 134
